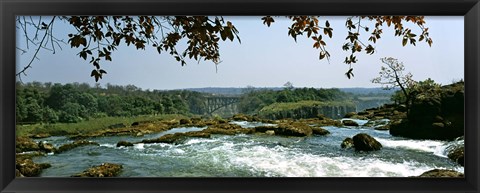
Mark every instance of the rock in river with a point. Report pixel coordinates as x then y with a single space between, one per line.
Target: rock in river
350 123
442 173
103 170
365 142
347 143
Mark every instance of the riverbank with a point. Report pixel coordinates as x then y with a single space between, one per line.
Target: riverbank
176 142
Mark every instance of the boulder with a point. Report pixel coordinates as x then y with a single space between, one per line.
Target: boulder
295 129
365 142
320 131
185 121
350 123
435 173
436 114
28 168
124 144
458 155
103 170
347 143
135 124
288 129
75 144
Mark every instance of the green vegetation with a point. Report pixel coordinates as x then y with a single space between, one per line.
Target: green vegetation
87 126
71 103
256 100
278 107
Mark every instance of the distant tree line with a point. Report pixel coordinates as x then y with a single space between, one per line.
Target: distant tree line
68 103
253 101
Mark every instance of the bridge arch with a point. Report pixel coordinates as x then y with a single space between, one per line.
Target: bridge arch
214 103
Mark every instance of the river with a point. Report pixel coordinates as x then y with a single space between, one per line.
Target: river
255 156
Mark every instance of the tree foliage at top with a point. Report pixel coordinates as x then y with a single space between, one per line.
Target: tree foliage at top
97 37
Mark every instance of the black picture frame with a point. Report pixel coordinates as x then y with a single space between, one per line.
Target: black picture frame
470 9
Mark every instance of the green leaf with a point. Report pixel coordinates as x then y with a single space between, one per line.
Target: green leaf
404 42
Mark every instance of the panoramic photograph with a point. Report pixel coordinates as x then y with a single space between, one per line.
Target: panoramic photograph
240 96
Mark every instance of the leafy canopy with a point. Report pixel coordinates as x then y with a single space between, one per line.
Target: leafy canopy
98 36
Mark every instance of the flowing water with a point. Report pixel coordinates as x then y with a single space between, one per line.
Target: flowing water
255 156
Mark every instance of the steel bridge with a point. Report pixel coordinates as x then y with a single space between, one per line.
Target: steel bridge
213 103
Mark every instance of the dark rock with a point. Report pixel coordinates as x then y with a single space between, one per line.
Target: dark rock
458 155
364 142
350 123
436 114
320 131
117 126
185 121
288 129
435 173
347 143
124 144
135 124
75 144
103 170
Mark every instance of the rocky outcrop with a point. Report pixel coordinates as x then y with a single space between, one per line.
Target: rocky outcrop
350 123
320 131
347 143
436 173
458 155
103 170
228 129
124 144
24 144
435 114
27 168
365 142
75 144
288 129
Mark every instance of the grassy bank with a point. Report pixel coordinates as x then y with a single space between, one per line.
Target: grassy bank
87 126
279 107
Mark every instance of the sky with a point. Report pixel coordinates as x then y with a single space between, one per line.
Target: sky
266 57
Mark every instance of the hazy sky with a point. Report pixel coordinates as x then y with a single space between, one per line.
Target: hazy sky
267 57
